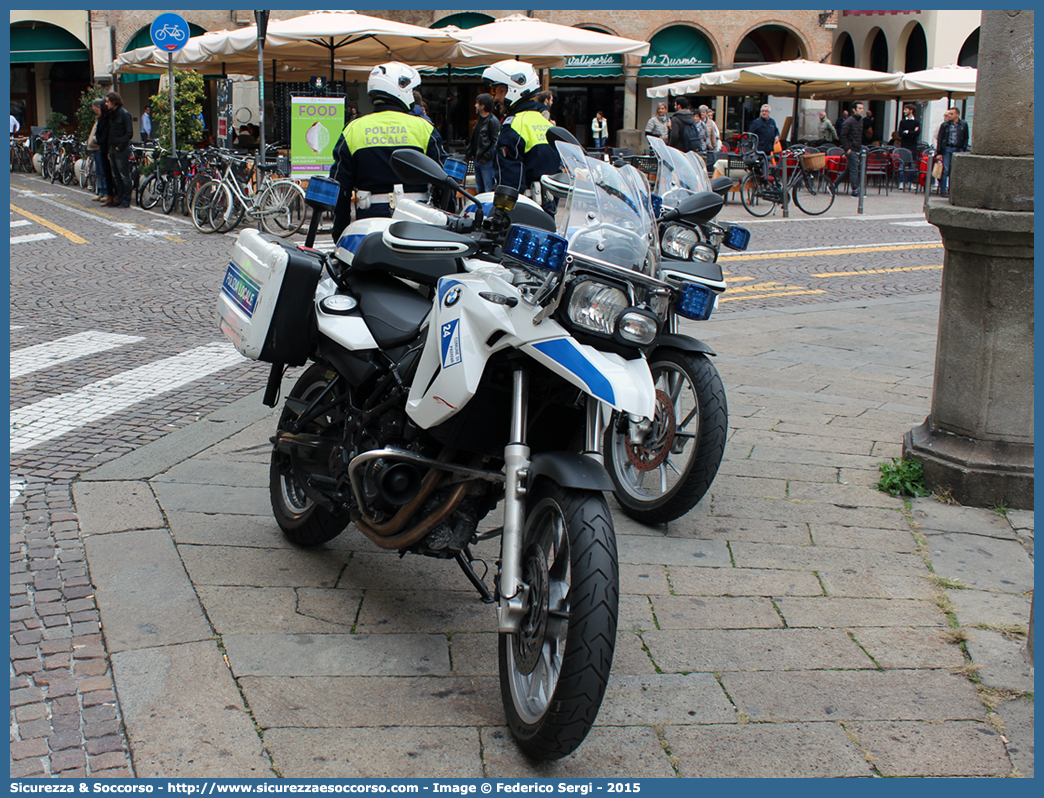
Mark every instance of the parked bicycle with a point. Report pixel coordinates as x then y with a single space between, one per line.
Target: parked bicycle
276 204
809 184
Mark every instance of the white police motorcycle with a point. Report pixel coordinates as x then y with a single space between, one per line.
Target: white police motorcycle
461 361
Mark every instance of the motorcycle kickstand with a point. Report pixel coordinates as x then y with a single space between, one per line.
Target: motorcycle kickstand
464 560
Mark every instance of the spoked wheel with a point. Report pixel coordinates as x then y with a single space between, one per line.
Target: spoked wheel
813 193
202 204
282 208
226 211
753 198
170 194
664 476
303 521
149 192
554 671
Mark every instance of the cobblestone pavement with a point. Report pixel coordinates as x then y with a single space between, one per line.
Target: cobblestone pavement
154 278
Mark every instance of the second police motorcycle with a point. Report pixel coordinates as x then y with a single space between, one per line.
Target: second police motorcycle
462 361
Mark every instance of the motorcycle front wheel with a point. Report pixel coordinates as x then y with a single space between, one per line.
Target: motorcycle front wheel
667 474
303 521
554 670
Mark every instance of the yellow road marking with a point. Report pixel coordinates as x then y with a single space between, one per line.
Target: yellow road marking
774 294
877 271
50 225
822 252
764 287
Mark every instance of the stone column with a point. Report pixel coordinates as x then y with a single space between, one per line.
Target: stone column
978 440
629 135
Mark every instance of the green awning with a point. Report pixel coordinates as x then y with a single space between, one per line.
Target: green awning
677 52
462 73
45 43
143 38
463 20
590 66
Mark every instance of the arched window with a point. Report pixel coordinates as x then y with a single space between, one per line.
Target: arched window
879 52
970 51
463 20
846 52
916 50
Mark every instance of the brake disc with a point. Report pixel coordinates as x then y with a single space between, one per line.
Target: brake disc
651 452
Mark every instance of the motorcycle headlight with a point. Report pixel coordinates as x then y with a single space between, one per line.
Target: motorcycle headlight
703 252
678 242
596 307
638 327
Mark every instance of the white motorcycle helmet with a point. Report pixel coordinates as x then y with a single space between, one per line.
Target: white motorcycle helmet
520 78
393 82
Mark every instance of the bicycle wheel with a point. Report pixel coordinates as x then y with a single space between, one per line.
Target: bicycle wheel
149 192
226 211
170 194
202 204
282 208
813 193
753 197
68 171
191 187
92 175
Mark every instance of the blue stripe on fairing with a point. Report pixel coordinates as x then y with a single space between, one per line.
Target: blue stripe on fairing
444 286
350 242
562 351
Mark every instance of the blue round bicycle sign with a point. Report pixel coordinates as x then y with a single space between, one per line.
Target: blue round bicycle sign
170 32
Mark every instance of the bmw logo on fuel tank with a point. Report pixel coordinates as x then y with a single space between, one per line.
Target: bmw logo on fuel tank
452 296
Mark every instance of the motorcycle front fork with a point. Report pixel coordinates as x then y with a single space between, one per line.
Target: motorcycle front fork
512 589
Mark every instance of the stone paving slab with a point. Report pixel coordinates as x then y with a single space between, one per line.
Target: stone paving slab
672 699
825 558
934 516
641 550
327 702
420 611
233 565
278 610
607 752
142 592
750 530
974 607
688 581
1000 565
691 612
842 612
213 499
910 647
1001 660
854 695
184 716
762 750
950 748
215 472
718 651
859 583
811 512
1016 719
897 540
384 753
338 654
116 507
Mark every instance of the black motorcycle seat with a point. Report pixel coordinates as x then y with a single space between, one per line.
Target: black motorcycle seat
393 311
695 268
373 255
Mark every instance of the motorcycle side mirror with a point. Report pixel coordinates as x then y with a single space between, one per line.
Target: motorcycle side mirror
696 208
412 166
721 185
556 134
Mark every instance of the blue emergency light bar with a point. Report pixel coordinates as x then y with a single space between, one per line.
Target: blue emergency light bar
695 302
537 248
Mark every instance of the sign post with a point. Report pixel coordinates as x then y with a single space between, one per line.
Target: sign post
170 32
261 17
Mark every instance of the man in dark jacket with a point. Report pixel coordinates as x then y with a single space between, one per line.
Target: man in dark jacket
687 131
764 127
121 131
852 143
483 146
101 135
953 137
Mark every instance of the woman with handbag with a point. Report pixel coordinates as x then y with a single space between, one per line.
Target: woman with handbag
599 131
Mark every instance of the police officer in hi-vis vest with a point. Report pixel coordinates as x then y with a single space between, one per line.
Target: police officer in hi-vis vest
523 154
362 157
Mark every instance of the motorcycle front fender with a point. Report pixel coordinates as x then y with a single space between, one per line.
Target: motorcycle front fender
570 470
686 343
624 385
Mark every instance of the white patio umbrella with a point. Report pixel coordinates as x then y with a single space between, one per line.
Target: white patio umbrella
541 43
955 82
687 86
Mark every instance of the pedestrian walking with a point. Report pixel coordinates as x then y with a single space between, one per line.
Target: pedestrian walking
483 146
827 133
953 137
146 125
711 128
599 131
687 131
121 131
764 127
659 124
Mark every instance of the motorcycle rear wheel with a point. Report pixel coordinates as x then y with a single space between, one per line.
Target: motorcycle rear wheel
691 403
554 671
304 522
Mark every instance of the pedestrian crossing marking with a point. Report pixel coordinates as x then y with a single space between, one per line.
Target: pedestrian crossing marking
21 223
72 347
17 486
50 225
58 415
877 271
28 239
